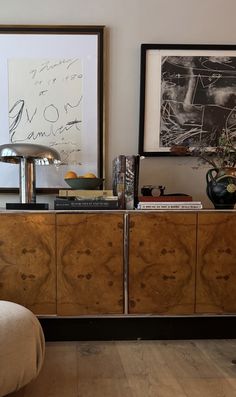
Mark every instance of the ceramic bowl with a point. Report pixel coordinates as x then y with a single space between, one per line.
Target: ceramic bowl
84 183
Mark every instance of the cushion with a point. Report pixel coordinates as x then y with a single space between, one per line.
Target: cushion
22 347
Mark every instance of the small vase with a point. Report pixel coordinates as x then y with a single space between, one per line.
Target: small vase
221 187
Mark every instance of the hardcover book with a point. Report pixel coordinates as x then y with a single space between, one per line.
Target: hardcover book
131 182
84 193
166 198
110 203
178 205
125 175
118 179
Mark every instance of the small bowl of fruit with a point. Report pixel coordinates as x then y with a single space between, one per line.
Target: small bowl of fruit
88 181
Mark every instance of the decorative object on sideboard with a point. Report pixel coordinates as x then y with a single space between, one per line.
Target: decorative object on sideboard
85 182
221 187
221 179
28 156
150 200
151 192
125 180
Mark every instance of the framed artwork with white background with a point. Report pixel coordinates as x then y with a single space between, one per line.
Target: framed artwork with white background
51 80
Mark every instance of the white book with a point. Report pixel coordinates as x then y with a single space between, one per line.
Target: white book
170 202
170 205
84 193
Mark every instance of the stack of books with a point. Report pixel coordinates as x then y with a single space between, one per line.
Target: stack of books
168 202
69 199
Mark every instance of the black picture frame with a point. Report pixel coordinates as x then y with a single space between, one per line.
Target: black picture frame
66 36
187 96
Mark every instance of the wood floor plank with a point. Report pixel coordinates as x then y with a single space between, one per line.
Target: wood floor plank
58 377
110 387
100 371
199 368
186 360
196 371
221 354
99 360
148 374
210 387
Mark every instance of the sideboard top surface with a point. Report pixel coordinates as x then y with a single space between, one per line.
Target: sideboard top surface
211 210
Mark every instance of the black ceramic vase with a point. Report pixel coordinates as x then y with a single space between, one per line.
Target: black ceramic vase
221 187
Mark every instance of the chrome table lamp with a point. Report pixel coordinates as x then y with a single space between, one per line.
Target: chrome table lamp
28 156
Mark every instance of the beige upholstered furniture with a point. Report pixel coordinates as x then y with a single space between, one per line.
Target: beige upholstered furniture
22 347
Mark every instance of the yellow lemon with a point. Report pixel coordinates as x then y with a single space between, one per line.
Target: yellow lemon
89 175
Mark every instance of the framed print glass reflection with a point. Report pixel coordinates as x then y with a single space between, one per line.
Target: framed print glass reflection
187 96
51 80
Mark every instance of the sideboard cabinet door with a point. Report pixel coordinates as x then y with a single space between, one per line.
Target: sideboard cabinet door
90 263
162 255
27 261
216 264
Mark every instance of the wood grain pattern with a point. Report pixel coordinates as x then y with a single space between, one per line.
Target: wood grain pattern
90 263
216 269
27 261
162 263
187 368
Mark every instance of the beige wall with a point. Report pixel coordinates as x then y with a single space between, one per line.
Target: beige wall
130 23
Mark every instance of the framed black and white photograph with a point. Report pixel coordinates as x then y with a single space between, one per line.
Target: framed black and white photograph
51 80
187 96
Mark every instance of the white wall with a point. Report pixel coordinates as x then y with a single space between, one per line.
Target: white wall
130 23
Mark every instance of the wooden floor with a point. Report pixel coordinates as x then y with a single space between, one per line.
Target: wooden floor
199 368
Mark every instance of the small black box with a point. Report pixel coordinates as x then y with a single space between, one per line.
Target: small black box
27 206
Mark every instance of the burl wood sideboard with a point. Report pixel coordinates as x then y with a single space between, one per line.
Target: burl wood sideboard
125 263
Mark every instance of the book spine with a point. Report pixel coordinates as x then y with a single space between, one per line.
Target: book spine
118 179
131 181
155 206
85 205
125 180
165 198
84 193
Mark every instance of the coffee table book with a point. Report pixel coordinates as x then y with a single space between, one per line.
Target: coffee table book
166 198
109 203
84 193
178 205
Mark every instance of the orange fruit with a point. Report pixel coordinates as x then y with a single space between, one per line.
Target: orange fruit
89 175
70 175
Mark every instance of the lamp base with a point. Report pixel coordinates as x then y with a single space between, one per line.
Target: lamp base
27 206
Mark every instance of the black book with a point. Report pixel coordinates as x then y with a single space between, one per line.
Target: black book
86 204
